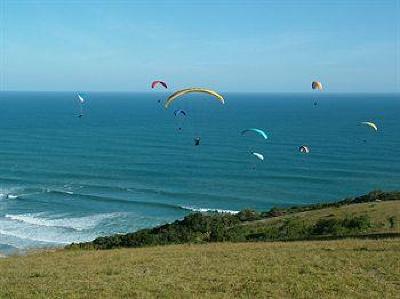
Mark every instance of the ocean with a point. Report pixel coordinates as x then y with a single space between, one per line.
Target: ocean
129 164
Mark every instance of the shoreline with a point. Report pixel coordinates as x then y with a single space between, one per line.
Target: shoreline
374 214
243 217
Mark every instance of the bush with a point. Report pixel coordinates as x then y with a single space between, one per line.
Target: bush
326 227
334 226
359 223
392 221
249 215
274 212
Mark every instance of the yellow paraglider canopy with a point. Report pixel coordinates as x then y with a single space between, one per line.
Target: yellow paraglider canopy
182 92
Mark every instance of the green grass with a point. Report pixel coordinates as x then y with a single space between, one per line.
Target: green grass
377 214
383 218
308 269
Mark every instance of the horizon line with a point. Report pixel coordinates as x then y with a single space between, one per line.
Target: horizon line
227 91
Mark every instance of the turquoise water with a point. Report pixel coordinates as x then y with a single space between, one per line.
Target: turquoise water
126 165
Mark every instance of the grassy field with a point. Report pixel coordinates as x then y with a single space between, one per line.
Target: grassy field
378 212
310 269
383 218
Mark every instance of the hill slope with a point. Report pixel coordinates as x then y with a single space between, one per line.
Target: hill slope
376 214
308 269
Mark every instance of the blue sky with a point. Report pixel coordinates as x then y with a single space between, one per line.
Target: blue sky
226 45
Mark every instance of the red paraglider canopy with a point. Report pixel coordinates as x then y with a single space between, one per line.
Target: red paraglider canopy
154 84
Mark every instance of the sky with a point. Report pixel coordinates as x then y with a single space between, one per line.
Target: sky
260 46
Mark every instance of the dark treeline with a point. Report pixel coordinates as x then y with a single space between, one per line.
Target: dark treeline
219 227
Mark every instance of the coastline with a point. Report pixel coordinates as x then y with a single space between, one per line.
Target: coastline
232 222
373 215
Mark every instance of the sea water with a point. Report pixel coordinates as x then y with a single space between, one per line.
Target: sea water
129 163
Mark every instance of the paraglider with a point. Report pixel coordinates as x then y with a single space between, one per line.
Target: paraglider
154 84
176 95
183 92
370 124
304 149
158 82
179 112
316 85
257 131
258 156
180 115
81 102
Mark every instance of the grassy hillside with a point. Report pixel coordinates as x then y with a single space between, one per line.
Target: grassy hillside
350 268
376 214
308 269
364 219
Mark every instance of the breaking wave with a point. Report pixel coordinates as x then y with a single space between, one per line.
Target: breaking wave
75 223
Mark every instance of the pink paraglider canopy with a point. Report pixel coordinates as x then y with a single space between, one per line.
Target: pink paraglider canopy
155 83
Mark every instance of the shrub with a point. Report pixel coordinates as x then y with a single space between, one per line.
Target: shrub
359 223
329 226
392 221
274 212
249 215
332 226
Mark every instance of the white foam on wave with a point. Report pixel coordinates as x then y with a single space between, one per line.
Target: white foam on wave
26 238
37 230
76 223
9 193
17 192
206 210
4 196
